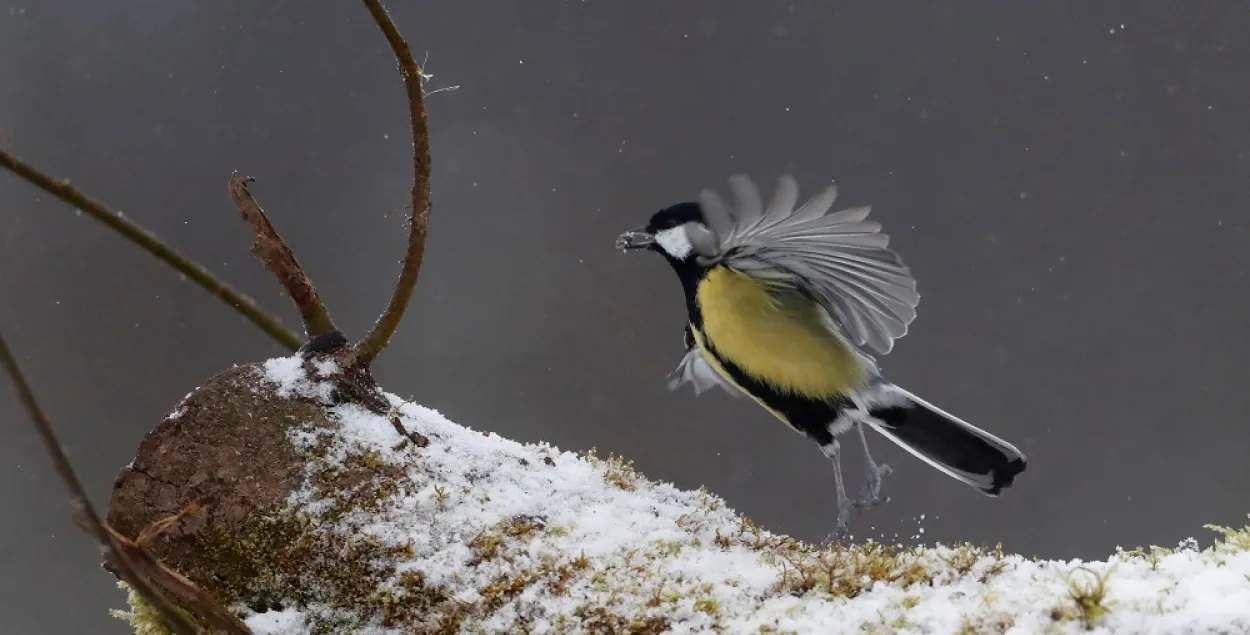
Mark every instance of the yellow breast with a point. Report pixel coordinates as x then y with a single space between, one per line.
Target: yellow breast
778 339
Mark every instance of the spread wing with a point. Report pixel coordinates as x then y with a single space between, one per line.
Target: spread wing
695 370
840 259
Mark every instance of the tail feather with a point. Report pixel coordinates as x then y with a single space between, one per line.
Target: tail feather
959 449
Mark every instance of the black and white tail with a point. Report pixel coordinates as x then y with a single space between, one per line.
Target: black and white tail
955 447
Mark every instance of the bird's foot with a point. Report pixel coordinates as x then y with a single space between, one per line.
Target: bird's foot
834 537
870 495
841 530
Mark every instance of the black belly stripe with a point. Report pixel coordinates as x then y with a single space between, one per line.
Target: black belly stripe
810 416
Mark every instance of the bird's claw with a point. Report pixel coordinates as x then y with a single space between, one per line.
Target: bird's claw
834 537
870 495
838 534
840 531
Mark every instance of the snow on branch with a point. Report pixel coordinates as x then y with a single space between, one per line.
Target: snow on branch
474 533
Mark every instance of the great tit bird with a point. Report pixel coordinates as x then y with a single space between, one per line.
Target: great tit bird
787 306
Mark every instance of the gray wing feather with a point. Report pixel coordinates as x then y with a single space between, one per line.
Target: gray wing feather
750 209
716 214
695 370
841 259
816 207
784 200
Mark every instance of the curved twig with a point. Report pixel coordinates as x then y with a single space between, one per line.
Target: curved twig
64 190
380 335
117 550
278 258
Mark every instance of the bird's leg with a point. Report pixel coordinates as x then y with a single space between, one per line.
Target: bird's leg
871 494
833 451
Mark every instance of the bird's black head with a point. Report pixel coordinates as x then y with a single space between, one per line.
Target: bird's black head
678 232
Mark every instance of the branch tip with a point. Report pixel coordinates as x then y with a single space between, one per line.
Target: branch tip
64 190
273 252
380 335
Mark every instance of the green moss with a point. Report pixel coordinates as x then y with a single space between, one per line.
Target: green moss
616 471
359 482
601 621
1153 556
1231 540
270 561
486 544
668 548
1088 596
707 605
141 616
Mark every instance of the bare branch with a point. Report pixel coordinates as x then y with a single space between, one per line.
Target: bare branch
84 514
380 335
186 591
64 190
278 258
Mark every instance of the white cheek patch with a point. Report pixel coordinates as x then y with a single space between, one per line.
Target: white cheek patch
675 242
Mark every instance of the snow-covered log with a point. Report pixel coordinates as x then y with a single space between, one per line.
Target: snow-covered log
319 517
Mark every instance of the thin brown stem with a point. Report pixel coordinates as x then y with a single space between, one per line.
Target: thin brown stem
159 527
380 335
84 513
177 585
278 258
64 190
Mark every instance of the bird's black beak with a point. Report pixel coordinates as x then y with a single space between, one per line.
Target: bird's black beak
635 239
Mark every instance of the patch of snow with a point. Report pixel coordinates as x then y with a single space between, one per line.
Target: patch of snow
326 367
291 380
643 541
287 622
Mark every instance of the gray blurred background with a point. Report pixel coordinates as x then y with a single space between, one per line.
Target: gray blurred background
1067 179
